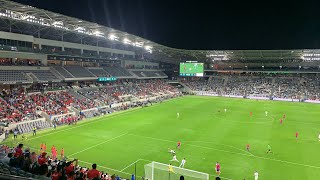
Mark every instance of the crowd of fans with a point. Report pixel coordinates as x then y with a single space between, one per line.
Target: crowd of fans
17 105
27 163
304 87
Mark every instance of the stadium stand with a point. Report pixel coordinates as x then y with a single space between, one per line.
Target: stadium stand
43 75
62 71
117 71
12 76
99 72
78 71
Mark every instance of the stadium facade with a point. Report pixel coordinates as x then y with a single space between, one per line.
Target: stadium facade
42 51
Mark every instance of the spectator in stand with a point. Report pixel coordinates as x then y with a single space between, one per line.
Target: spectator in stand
18 150
70 167
43 172
42 159
93 173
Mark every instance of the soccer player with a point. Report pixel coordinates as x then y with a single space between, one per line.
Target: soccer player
248 147
171 151
24 137
281 121
178 145
266 112
250 113
178 115
44 147
319 137
225 110
284 116
174 158
62 153
218 168
183 162
41 148
170 169
269 149
53 152
256 175
297 135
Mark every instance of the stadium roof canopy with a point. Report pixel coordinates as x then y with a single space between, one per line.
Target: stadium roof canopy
20 18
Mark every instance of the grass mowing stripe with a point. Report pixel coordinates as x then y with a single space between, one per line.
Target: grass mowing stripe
100 118
99 144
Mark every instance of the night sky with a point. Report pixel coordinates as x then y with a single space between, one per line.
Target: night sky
200 24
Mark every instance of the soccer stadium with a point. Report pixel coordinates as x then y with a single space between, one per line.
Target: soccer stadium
82 101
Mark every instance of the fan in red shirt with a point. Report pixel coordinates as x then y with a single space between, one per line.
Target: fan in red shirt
18 150
93 173
56 174
42 159
70 167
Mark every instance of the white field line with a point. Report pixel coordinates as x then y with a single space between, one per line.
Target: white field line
98 144
222 145
129 165
249 155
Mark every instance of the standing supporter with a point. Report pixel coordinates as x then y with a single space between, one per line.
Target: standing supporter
70 167
42 159
93 173
18 150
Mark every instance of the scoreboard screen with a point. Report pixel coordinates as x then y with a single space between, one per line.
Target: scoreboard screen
191 69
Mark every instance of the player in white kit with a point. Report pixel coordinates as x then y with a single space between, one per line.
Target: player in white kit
256 175
183 162
319 137
266 113
225 110
178 115
171 151
174 158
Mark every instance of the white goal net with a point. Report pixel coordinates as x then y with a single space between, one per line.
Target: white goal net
160 171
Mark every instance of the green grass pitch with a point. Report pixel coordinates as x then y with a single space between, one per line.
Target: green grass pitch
207 133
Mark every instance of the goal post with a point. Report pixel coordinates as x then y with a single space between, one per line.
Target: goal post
160 171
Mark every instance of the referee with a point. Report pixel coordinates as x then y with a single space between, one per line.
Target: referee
34 131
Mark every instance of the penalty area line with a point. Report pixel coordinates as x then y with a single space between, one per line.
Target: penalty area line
98 144
129 165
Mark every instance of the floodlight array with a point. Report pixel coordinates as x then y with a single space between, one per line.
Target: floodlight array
69 27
